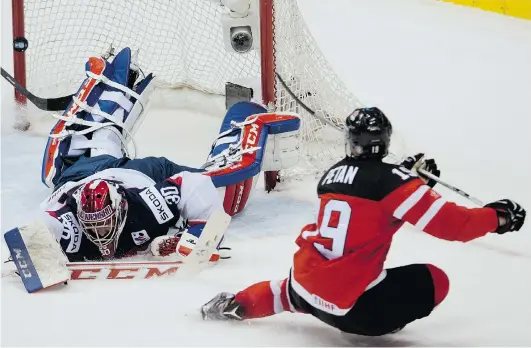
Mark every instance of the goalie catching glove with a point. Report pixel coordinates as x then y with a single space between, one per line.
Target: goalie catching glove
175 248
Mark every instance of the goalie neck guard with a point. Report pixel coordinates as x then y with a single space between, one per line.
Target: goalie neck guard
102 211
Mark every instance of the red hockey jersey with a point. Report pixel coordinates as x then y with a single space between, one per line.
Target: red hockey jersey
362 205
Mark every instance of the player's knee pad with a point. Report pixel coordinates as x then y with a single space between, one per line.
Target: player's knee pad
441 284
102 118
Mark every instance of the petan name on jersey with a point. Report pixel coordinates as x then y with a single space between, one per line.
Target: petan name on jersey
344 174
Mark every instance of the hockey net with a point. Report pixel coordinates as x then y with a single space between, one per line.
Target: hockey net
183 44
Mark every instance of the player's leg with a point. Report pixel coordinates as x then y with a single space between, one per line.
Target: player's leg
86 166
406 294
259 300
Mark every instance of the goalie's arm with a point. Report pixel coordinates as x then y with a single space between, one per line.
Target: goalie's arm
195 198
68 235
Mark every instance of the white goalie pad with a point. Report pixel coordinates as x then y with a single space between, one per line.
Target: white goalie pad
138 112
37 255
282 151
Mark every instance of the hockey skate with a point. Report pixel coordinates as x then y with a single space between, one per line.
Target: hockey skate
222 307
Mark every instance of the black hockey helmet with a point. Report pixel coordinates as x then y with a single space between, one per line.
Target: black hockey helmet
368 133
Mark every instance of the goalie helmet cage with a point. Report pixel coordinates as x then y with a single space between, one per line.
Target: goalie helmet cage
184 43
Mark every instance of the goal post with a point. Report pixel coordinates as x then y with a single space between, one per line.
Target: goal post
268 71
187 43
19 58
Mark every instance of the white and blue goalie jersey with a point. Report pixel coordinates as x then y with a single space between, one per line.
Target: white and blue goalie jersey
153 208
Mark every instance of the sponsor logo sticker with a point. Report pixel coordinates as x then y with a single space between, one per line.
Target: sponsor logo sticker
157 204
71 231
140 237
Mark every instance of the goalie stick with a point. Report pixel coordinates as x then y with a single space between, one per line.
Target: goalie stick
306 107
46 104
142 269
41 263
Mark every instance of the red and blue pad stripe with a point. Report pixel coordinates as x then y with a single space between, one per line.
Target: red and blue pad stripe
237 179
22 260
38 257
90 93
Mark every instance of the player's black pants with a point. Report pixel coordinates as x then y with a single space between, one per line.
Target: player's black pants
407 293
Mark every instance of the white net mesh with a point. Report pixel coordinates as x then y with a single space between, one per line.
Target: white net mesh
301 65
182 43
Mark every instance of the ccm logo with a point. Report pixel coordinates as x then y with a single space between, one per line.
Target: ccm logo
241 187
22 263
252 137
122 273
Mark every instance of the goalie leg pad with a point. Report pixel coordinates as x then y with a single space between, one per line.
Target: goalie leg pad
282 151
235 196
104 103
239 154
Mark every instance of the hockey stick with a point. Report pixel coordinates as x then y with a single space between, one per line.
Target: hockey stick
306 107
479 244
41 262
47 104
424 173
187 267
451 187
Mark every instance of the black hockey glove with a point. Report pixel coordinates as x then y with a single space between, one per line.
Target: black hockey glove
511 215
414 163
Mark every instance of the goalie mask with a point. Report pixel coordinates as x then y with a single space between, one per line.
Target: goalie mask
367 134
102 211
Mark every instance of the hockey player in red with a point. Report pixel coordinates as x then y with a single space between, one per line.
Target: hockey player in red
338 273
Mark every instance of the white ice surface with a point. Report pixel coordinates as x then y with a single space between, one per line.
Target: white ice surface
456 83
